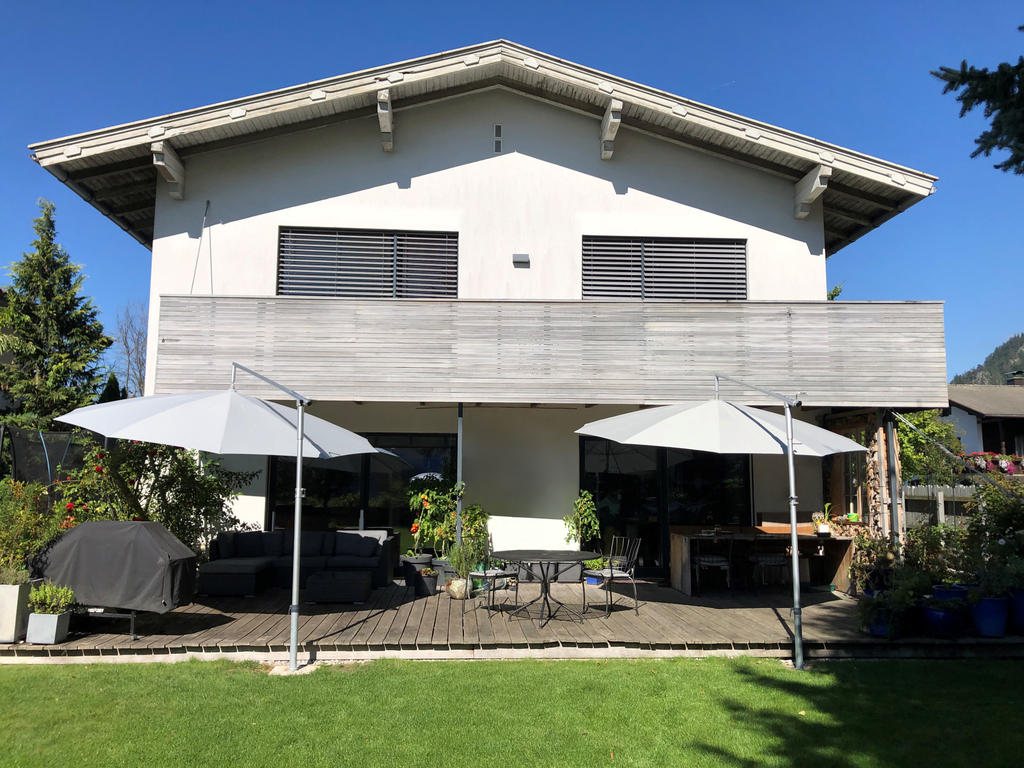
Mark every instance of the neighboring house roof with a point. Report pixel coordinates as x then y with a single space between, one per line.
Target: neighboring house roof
113 168
992 400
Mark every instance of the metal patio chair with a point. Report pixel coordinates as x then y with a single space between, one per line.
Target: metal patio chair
493 573
619 565
717 560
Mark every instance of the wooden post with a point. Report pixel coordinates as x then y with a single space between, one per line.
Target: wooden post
940 507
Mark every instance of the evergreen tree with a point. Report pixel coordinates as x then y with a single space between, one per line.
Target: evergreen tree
112 390
1002 93
51 332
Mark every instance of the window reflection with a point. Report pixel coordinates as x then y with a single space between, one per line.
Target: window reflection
337 489
641 491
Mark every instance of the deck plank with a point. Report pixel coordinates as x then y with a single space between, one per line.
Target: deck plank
391 619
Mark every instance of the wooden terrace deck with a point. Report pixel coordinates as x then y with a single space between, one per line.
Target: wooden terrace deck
393 623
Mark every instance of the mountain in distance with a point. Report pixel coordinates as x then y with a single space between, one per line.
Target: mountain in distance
1008 356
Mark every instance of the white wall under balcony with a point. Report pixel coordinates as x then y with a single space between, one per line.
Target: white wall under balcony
522 464
545 190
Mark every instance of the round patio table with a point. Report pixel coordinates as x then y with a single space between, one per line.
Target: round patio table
549 564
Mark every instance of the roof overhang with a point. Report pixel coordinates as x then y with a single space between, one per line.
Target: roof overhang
115 169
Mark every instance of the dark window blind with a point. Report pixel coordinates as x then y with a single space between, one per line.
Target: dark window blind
664 268
365 263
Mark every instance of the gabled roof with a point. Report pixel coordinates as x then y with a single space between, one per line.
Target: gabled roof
113 168
992 400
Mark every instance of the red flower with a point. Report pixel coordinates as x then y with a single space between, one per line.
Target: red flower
99 469
99 455
415 528
69 506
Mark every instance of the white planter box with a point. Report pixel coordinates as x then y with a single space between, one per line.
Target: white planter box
48 628
13 611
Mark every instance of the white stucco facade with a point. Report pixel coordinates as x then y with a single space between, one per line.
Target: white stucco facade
544 191
540 195
967 427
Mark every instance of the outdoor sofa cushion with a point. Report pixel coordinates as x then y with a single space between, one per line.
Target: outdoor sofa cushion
249 544
273 543
254 552
313 543
355 544
342 562
226 543
236 565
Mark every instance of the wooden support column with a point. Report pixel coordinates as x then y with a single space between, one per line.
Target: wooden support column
610 128
169 165
384 118
809 189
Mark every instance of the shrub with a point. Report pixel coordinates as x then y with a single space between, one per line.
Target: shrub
26 527
50 598
186 492
13 576
874 561
941 552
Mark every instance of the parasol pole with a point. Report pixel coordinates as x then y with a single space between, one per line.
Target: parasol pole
788 403
300 406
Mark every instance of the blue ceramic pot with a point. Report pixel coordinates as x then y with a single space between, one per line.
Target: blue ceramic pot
949 592
940 623
990 614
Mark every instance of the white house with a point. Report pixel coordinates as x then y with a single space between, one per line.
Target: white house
535 242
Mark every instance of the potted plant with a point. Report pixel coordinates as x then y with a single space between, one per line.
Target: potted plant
462 558
25 530
822 521
14 592
594 565
990 603
51 613
581 527
426 504
1015 574
885 614
893 611
944 617
874 563
428 578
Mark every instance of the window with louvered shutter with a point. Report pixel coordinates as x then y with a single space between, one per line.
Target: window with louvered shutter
664 268
366 263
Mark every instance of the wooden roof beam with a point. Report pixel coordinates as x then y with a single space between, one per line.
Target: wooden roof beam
125 190
610 127
110 169
169 165
856 218
809 189
385 119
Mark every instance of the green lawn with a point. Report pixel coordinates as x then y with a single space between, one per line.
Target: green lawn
502 714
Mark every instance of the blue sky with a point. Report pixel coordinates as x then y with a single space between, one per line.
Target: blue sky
856 75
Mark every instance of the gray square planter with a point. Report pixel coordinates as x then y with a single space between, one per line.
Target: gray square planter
48 628
14 611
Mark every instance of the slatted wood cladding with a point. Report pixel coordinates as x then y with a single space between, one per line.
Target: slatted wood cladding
664 268
870 354
367 263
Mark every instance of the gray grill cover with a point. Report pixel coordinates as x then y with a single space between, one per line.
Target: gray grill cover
129 565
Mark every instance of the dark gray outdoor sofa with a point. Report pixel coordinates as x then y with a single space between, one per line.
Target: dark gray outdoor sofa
247 562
